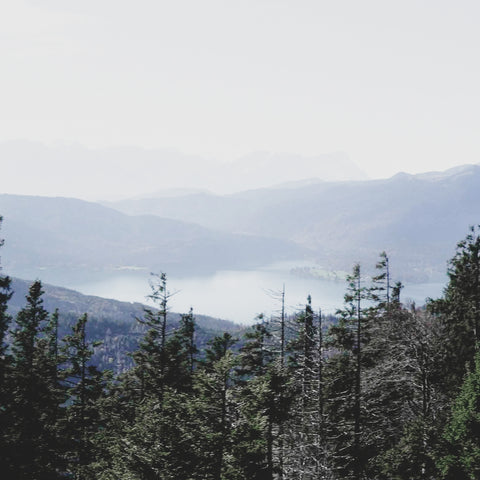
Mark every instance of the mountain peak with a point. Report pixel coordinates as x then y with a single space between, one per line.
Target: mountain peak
461 170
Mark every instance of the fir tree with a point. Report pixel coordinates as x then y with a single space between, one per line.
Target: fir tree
5 364
151 357
264 403
213 385
86 386
462 434
459 310
32 392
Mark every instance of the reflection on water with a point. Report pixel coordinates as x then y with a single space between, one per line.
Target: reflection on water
236 295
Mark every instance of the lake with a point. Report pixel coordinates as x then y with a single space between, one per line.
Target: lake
236 295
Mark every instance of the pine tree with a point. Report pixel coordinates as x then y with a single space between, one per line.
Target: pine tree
156 435
151 357
380 292
86 386
462 434
263 396
354 297
33 396
52 395
306 443
281 328
5 319
339 382
353 380
180 355
459 310
5 365
213 384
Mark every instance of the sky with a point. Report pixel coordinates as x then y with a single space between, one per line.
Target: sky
394 85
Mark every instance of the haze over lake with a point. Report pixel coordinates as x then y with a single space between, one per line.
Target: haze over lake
237 295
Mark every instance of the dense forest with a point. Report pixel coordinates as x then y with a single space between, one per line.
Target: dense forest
381 391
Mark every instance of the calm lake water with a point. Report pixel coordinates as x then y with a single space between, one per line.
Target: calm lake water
237 295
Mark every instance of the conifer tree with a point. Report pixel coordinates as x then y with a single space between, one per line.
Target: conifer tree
151 357
186 334
253 448
355 296
51 394
160 438
263 396
459 309
380 292
32 391
86 386
279 330
305 452
5 362
461 461
5 319
344 373
213 384
180 355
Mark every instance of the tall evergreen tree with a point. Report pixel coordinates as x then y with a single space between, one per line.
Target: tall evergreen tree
459 310
151 357
157 434
213 385
32 394
345 373
381 289
354 297
305 455
279 331
180 355
461 461
86 386
5 319
264 399
5 364
51 394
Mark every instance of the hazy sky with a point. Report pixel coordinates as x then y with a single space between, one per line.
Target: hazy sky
394 84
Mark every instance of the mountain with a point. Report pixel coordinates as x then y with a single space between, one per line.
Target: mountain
45 235
73 170
264 169
118 172
417 219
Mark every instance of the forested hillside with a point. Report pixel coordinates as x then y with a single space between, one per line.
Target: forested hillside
65 234
382 391
75 303
113 322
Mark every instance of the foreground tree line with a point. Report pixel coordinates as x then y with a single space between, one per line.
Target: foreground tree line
381 391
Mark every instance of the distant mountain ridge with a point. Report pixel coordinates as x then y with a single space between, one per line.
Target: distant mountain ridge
417 218
119 172
47 234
